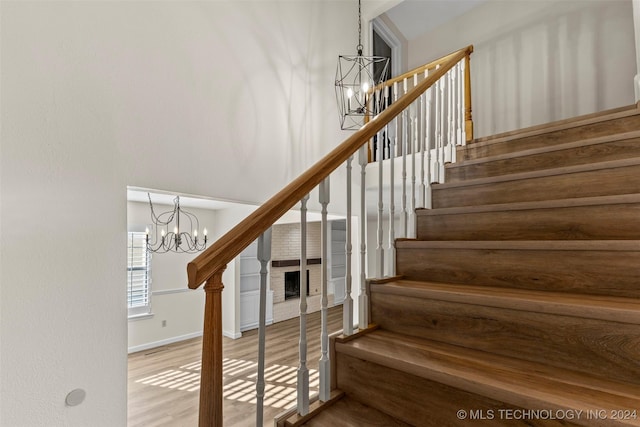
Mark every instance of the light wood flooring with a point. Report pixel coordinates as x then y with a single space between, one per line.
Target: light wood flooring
164 381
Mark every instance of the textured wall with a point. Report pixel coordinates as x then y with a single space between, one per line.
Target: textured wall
223 99
540 61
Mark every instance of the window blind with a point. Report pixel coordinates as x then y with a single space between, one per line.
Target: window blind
138 274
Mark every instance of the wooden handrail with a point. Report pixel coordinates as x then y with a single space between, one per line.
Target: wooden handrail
421 69
209 266
218 255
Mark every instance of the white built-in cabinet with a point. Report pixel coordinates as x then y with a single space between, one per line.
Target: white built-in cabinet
250 290
337 260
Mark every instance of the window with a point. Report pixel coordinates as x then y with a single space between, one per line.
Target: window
138 274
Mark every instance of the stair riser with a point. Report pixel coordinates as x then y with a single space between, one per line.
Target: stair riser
598 222
580 155
597 272
429 404
609 127
564 224
601 182
591 346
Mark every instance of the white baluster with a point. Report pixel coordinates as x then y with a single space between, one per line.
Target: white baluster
379 248
264 256
392 203
405 139
460 102
454 112
412 194
451 119
429 135
423 129
303 370
441 107
456 106
413 112
347 305
363 300
437 130
323 364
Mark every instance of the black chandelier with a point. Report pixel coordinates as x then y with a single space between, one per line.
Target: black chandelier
357 77
176 239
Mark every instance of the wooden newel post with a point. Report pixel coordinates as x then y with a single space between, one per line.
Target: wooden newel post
468 120
211 373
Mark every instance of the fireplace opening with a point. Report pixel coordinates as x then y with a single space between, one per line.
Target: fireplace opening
292 284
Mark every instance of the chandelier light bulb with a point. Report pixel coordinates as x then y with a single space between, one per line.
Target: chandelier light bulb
162 233
175 230
195 233
365 87
349 93
204 232
146 231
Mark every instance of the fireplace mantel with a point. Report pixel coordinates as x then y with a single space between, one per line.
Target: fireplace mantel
295 262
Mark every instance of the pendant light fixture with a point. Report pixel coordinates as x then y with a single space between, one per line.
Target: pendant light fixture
356 83
172 225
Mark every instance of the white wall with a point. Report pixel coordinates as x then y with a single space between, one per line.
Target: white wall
225 99
171 300
540 61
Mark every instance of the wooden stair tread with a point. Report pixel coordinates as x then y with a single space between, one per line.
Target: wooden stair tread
542 129
524 245
540 173
546 149
542 319
617 309
349 412
544 204
517 382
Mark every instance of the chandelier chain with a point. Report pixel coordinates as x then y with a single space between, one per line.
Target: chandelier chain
157 219
359 47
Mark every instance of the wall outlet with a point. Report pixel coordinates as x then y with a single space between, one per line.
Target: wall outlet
164 323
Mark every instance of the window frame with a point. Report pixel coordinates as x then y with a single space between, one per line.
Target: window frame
144 286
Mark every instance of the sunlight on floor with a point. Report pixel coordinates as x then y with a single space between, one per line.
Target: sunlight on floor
280 381
174 379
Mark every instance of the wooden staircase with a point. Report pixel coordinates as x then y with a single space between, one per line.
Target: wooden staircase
519 301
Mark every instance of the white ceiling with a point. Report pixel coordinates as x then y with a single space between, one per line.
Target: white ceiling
163 198
416 17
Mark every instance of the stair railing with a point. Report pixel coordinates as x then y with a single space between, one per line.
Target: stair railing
410 79
417 122
424 136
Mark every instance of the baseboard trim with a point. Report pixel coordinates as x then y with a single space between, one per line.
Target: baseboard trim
232 335
254 325
160 343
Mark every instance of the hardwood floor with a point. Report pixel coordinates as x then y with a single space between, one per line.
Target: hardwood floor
164 381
